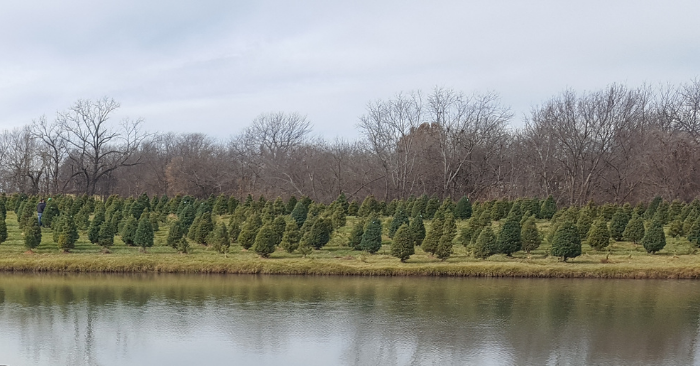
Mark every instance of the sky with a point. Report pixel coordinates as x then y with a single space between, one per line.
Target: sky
212 66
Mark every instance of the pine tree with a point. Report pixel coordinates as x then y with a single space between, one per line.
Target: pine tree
693 235
432 238
529 235
356 235
599 236
220 205
431 207
249 231
509 240
463 210
194 228
291 237
299 213
3 228
417 230
353 208
57 227
618 223
50 212
372 237
585 220
402 245
485 244
32 234
675 228
129 230
95 225
264 244
187 216
82 218
566 242
68 234
320 233
220 240
654 239
183 246
369 205
105 236
400 218
653 206
449 231
634 231
339 218
279 224
205 227
144 232
174 234
234 229
548 209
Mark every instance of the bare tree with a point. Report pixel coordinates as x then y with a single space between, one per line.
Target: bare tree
96 149
53 148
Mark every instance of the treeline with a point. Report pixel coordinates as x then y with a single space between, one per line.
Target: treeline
301 226
618 144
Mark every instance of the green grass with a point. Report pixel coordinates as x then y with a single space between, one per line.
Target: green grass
623 260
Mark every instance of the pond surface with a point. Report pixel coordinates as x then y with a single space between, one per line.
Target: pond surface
280 320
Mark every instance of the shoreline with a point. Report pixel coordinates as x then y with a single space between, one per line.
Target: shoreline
185 264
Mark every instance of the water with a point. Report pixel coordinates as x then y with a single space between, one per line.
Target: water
270 320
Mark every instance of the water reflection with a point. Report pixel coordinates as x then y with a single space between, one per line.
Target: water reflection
181 320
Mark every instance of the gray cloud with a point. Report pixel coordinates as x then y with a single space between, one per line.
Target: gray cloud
212 66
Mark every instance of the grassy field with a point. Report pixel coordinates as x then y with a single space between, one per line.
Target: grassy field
623 260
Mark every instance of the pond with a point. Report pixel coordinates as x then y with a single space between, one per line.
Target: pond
286 320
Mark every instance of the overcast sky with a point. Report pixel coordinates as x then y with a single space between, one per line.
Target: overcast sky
212 65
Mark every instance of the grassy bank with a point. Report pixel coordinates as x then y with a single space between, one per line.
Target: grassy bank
624 260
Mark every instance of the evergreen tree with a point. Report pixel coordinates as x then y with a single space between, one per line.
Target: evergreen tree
320 233
50 212
634 231
129 230
57 227
70 229
449 231
299 213
219 239
353 208
82 218
194 228
279 224
599 236
418 208
548 209
339 219
400 218
485 245
234 229
264 244
432 238
205 227
566 242
342 201
291 204
372 237
174 234
32 234
693 235
618 223
463 210
3 228
369 205
529 235
144 232
356 235
28 211
291 237
653 206
509 240
675 229
105 236
417 230
431 207
249 231
221 205
654 238
95 225
402 245
585 220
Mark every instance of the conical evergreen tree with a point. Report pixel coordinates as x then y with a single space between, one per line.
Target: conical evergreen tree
264 244
3 228
509 240
463 210
234 229
618 223
400 218
95 225
32 234
249 231
402 245
129 230
291 237
174 234
320 233
68 234
219 239
356 234
372 237
105 236
654 239
339 218
432 238
566 242
205 227
529 235
694 233
599 236
431 207
299 213
675 228
417 230
279 224
634 231
449 231
548 209
485 244
144 232
653 206
585 220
